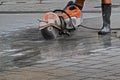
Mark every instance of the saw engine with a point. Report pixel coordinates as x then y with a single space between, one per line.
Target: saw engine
60 22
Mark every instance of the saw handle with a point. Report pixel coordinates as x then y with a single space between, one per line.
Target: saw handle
58 10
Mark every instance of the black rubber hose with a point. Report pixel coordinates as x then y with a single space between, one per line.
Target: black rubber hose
81 25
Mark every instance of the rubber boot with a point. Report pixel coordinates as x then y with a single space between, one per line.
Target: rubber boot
106 13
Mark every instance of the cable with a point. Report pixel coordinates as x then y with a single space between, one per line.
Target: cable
82 25
88 27
115 28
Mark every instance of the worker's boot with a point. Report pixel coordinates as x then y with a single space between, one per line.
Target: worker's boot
106 13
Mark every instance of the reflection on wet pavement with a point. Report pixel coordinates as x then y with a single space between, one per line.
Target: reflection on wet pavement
25 47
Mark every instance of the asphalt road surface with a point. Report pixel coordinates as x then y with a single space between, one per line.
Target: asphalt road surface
21 43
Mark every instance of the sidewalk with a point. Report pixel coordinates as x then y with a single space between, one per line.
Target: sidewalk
33 5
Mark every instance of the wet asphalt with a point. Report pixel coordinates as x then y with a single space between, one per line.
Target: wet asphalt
22 45
84 55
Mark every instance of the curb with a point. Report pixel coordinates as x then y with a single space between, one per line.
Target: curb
19 2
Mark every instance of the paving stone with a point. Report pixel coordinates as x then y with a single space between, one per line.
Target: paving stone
114 71
81 57
54 79
57 62
117 66
36 69
71 68
83 74
99 65
91 79
82 65
110 67
92 62
28 75
92 70
114 62
71 77
114 54
99 75
111 78
98 57
42 65
64 64
113 58
2 77
76 60
116 74
60 72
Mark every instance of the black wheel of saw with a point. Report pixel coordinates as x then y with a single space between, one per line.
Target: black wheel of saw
50 32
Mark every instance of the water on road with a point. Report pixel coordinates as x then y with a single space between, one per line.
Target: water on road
21 43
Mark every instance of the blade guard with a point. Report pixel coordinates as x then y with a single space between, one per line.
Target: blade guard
49 19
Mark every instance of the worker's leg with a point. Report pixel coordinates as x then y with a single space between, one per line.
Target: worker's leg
79 3
106 2
106 13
